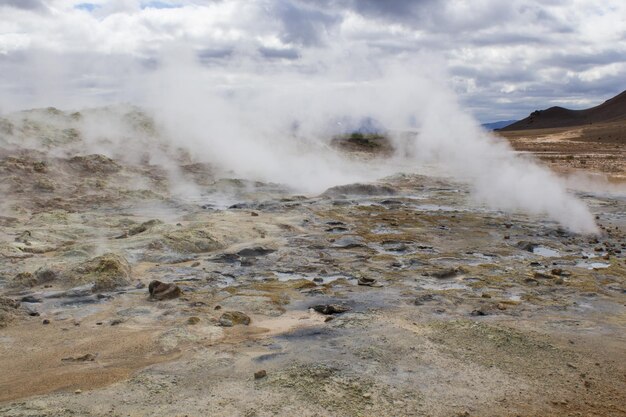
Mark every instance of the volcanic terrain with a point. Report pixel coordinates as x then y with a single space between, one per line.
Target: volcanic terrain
131 286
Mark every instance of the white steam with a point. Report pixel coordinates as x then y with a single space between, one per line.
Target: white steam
273 121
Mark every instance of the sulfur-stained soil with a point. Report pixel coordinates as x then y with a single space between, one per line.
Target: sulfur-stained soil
398 298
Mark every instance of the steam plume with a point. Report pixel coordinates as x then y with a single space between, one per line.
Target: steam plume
273 122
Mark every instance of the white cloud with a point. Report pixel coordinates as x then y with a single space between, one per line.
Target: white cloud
532 51
601 72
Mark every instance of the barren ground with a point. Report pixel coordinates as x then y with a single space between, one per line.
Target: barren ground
469 311
593 149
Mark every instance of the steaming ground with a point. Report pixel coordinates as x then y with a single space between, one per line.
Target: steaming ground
452 306
301 158
275 127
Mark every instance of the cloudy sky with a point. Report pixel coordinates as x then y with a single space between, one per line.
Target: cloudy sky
503 58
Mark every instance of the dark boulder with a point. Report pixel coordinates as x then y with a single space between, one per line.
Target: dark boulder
163 291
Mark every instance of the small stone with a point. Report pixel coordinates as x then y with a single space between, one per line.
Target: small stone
367 395
115 322
260 374
78 391
46 321
193 320
256 251
87 357
501 306
218 307
476 313
195 264
163 291
318 280
486 295
367 282
331 308
232 318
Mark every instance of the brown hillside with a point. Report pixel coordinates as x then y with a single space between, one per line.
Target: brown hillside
612 110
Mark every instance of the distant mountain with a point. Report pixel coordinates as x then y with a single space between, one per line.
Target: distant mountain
612 110
497 125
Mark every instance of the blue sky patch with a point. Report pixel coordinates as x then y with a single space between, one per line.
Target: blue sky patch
158 5
89 7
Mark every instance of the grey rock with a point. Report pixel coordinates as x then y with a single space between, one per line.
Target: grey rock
232 318
331 308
